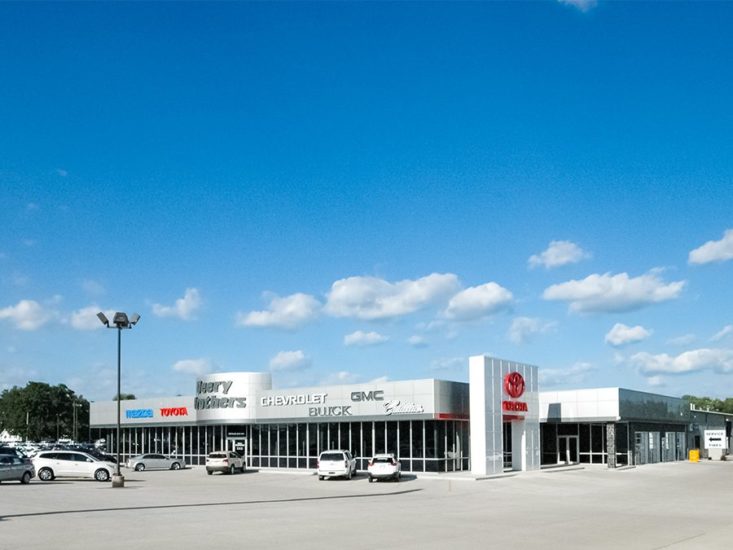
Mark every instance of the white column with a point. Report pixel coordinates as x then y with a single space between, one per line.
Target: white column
519 446
487 448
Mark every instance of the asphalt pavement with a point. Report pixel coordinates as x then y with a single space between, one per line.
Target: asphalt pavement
674 505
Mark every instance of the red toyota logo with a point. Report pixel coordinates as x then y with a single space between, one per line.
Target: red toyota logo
514 384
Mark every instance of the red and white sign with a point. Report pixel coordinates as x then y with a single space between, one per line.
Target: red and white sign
514 388
174 411
514 384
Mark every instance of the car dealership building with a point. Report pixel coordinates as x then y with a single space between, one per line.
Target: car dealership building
499 420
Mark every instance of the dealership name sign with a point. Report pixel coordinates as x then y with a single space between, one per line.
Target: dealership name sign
203 401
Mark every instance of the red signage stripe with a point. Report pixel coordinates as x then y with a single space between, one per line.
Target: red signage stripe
450 416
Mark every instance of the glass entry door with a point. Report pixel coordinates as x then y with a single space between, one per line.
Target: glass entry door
567 449
239 446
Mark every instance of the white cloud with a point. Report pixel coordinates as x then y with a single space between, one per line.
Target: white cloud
185 308
684 340
362 339
289 361
656 381
289 312
478 301
718 360
196 367
727 330
523 328
620 334
27 315
714 251
573 375
14 375
582 5
86 318
341 377
93 288
449 364
417 341
558 253
380 380
614 293
374 298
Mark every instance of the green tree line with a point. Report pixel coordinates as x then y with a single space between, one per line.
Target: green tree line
43 412
705 403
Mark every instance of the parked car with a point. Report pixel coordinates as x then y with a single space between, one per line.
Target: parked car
53 464
154 461
14 468
14 451
104 457
225 462
337 463
384 466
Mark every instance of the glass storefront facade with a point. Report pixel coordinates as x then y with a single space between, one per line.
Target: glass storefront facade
420 445
635 443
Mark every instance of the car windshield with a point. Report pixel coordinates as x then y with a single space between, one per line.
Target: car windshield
217 455
332 456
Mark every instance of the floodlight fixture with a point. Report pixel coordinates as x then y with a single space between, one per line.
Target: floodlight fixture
120 320
102 317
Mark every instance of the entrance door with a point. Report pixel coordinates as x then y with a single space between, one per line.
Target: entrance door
567 449
239 446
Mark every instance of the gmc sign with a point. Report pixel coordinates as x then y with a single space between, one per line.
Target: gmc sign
376 395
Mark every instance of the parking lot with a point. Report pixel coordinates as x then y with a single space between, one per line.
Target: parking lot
672 505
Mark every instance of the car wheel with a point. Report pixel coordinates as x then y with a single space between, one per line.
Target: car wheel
320 478
26 479
45 474
101 475
175 466
231 470
139 467
371 479
209 472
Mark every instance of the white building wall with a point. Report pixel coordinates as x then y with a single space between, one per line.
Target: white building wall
486 388
589 405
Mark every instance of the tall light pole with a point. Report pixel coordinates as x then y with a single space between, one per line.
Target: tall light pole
119 321
75 431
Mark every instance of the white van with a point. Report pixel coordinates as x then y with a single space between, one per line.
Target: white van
337 463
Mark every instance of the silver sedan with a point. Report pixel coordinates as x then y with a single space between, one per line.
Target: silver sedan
154 461
13 468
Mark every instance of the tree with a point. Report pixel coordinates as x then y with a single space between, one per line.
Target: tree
709 403
124 397
40 411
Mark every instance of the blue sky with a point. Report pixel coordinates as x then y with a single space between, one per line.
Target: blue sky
341 192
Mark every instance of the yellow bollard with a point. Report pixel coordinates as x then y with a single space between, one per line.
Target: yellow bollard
694 455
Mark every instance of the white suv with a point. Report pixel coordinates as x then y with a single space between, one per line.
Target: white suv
384 466
336 463
52 464
225 462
